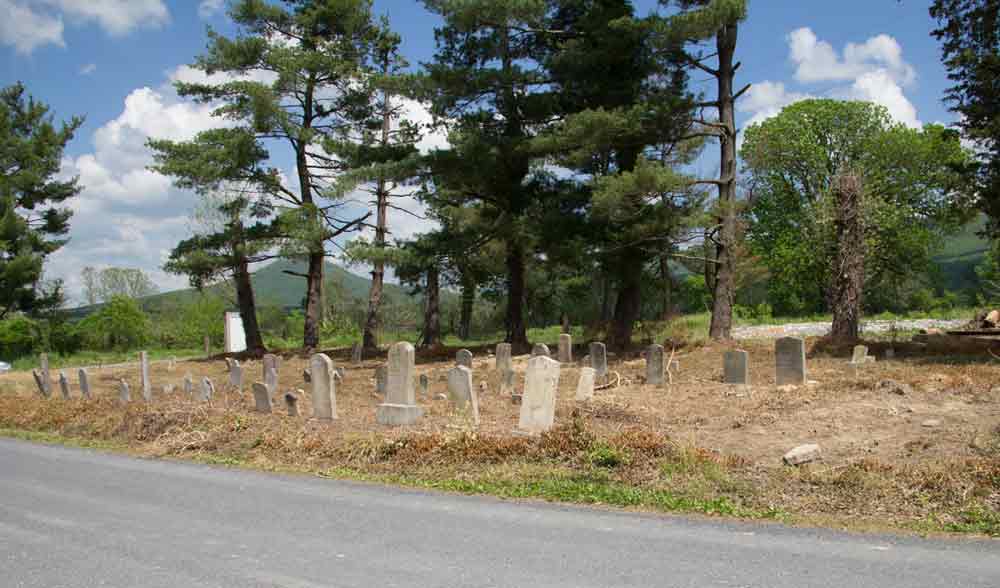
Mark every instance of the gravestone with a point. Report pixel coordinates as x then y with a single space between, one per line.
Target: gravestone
46 377
168 389
147 386
64 385
565 348
84 383
271 380
538 407
789 361
235 336
859 354
508 382
736 367
540 350
464 357
189 386
305 375
171 363
236 375
599 360
381 379
262 398
425 384
460 386
504 362
292 404
400 406
654 365
40 382
207 389
585 387
356 353
124 394
324 389
270 361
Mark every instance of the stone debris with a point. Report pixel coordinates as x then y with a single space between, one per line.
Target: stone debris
802 454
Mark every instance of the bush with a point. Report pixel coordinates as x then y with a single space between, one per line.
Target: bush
757 312
693 294
19 337
119 324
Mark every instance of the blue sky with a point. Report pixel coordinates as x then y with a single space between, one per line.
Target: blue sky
112 61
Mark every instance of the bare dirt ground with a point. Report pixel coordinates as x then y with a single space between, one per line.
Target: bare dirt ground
949 406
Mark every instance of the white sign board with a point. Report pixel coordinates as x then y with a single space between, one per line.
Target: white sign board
236 337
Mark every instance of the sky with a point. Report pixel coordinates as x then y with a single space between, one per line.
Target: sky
114 61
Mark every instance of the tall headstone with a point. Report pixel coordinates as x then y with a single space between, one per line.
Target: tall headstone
236 375
207 389
292 403
262 398
790 361
585 387
566 348
271 381
84 383
324 389
538 407
504 359
270 361
736 367
64 385
400 406
147 386
46 377
356 353
40 382
599 360
381 379
460 386
236 337
124 394
189 386
508 381
654 365
540 350
464 357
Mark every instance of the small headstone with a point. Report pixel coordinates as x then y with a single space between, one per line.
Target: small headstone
236 376
339 373
736 367
585 362
40 382
599 360
46 377
292 404
565 348
504 360
540 350
538 408
271 380
464 357
124 394
168 389
400 406
64 385
171 363
460 388
356 353
585 387
189 386
425 384
270 361
654 365
261 398
790 361
305 376
207 390
508 382
324 389
84 383
802 454
859 354
144 381
381 379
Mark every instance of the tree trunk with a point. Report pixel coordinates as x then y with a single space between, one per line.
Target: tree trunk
468 301
665 311
725 272
517 332
628 305
314 284
248 308
370 340
431 337
317 253
849 262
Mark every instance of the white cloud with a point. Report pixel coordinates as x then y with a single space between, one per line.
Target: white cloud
766 99
25 29
880 88
209 8
88 69
29 24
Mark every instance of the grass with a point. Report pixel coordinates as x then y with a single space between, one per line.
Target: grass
85 358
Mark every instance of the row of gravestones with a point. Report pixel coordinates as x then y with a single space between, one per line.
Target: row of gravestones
789 364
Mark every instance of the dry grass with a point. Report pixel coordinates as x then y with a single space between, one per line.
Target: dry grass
697 446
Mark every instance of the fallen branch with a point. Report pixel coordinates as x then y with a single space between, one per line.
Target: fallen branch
610 385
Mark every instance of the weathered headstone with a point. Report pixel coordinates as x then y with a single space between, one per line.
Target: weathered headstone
464 357
654 365
189 386
292 403
381 379
236 376
425 384
540 350
64 385
538 407
84 383
789 361
585 387
400 406
859 354
124 394
305 376
599 360
46 377
324 389
147 386
271 380
736 367
504 361
207 389
270 361
261 397
460 389
356 353
508 382
565 348
40 382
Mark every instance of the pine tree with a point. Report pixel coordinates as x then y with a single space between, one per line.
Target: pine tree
33 224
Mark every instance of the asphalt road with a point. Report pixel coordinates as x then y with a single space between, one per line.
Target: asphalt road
74 518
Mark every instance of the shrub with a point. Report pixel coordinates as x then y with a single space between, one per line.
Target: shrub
19 337
119 324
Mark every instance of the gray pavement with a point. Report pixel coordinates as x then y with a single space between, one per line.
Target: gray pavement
76 518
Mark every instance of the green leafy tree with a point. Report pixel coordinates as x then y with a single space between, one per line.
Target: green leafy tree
911 197
33 220
103 285
119 324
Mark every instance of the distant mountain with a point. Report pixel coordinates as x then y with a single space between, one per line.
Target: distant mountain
960 255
